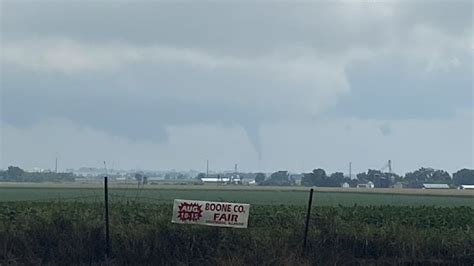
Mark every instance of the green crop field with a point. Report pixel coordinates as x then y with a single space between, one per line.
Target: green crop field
64 224
263 196
141 234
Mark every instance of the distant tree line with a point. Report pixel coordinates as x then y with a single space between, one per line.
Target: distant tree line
16 174
319 177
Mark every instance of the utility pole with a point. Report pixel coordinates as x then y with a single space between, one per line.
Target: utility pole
56 166
390 166
207 168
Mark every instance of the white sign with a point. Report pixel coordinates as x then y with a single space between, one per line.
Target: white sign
210 213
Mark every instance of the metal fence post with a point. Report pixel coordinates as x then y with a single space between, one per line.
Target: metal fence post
308 214
107 236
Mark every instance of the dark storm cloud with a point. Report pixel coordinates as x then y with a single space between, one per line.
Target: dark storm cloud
390 89
126 103
315 44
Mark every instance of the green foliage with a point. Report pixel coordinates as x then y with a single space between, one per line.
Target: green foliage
464 177
427 175
16 174
141 234
280 178
200 176
319 178
379 178
141 179
259 178
265 195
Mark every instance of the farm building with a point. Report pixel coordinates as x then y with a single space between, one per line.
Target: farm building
466 187
296 178
368 185
121 179
87 180
435 186
155 178
345 185
249 182
215 179
398 185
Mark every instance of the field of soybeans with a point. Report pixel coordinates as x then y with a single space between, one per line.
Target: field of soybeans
64 224
245 194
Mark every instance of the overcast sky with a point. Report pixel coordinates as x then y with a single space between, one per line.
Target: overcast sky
269 86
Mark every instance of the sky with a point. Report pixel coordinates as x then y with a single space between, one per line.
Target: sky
267 85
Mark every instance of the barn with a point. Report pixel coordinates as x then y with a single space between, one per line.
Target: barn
369 184
435 186
215 179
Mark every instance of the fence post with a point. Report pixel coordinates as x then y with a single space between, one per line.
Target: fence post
307 219
107 237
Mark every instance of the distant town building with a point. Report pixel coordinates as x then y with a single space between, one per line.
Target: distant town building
89 172
156 178
398 185
215 179
367 185
435 186
80 179
296 178
120 179
251 182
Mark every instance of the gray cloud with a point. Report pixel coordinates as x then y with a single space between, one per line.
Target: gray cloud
125 88
385 129
393 89
243 29
132 69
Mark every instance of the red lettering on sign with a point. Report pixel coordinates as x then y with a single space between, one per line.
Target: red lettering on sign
189 211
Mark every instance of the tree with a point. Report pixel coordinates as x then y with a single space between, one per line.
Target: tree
442 176
416 178
280 178
337 175
317 178
307 179
464 177
259 178
337 178
428 175
379 178
139 177
362 177
200 176
14 172
320 174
